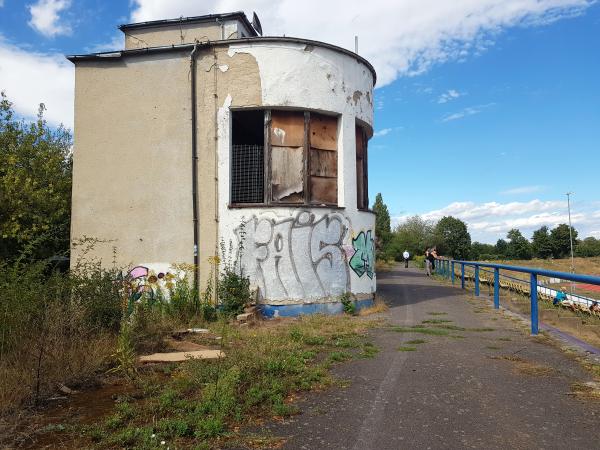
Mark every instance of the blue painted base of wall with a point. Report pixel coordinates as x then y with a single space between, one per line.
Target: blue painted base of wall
270 311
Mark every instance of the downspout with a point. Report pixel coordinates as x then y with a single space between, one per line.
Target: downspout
194 166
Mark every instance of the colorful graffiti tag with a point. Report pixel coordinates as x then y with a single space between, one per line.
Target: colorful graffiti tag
363 259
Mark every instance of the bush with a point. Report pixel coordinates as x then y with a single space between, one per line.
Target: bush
54 328
419 261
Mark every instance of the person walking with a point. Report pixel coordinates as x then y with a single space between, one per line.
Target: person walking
427 262
406 255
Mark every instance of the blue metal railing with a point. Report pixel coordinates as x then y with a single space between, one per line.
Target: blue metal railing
447 270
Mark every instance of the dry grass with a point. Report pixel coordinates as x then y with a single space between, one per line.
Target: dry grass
67 351
589 266
527 367
378 307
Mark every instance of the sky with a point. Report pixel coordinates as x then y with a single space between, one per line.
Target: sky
486 110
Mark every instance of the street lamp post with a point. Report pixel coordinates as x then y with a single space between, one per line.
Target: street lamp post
570 230
570 235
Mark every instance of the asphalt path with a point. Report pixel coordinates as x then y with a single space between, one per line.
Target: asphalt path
488 384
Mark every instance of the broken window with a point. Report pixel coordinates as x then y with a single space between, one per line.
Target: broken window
299 165
247 157
287 156
362 173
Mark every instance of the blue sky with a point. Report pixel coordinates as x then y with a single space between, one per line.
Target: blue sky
488 110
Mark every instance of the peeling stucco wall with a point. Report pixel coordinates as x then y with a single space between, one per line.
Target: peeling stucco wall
132 165
305 254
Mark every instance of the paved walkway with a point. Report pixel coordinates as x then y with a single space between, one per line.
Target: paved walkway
471 389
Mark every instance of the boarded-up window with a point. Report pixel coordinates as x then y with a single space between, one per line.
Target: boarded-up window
284 157
362 183
287 156
323 159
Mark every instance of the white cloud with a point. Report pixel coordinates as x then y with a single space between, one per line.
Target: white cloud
523 190
450 95
400 37
1 3
31 78
470 111
488 222
382 132
45 17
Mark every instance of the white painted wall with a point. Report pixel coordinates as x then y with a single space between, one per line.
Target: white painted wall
305 254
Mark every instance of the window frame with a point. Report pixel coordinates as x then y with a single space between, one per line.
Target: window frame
268 201
365 168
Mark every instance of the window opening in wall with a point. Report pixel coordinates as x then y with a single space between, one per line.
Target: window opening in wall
284 157
247 157
362 172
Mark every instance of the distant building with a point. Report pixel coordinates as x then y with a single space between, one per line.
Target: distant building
202 131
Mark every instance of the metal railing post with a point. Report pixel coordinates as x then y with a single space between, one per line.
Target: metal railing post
476 280
447 269
462 275
452 271
496 288
534 304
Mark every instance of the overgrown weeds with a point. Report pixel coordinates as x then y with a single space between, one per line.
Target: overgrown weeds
264 369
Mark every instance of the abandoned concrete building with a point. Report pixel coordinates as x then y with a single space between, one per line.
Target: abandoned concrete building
203 131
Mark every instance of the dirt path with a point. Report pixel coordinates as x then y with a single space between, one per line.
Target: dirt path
483 382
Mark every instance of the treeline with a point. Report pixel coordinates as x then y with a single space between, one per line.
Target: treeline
451 237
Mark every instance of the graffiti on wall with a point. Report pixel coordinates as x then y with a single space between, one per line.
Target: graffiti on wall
143 282
363 259
296 257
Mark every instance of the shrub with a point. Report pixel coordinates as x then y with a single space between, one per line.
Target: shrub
419 261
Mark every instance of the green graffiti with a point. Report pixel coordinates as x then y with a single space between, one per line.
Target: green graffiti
363 260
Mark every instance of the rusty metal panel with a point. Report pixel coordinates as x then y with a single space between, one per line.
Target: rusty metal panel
323 190
287 174
323 163
323 132
287 128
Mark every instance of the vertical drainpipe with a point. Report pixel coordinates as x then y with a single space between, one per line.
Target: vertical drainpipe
194 165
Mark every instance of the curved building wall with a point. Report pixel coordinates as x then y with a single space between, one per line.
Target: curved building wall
304 257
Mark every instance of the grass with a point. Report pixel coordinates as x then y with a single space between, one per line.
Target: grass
378 307
436 321
420 329
416 341
404 348
437 313
206 403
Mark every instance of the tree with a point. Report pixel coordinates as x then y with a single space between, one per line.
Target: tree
382 225
518 246
35 185
561 240
482 251
590 246
502 248
413 235
541 243
452 238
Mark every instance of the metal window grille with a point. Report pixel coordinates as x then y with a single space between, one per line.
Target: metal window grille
247 174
